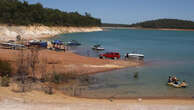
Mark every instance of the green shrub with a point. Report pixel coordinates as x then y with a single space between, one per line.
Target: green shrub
56 78
5 81
5 68
136 75
62 77
84 78
48 90
44 78
20 12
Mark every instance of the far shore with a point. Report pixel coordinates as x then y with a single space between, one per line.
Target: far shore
164 29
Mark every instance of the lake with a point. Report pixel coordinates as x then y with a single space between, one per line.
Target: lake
166 53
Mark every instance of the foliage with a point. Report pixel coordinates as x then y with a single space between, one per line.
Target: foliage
114 25
5 68
62 77
136 75
15 12
56 78
5 81
22 66
166 23
33 60
48 90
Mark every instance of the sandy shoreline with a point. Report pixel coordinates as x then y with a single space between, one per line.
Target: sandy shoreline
99 105
36 100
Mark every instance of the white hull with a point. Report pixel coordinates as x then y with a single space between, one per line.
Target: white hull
136 56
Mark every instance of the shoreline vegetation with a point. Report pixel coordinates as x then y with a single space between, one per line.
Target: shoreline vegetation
158 24
140 28
165 24
16 12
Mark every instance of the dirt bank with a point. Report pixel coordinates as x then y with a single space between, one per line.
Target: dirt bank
37 32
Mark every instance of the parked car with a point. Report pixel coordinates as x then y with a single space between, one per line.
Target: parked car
112 55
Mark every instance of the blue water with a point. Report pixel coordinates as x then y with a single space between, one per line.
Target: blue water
166 52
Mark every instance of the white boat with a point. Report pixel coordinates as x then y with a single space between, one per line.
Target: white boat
12 45
135 56
73 43
97 47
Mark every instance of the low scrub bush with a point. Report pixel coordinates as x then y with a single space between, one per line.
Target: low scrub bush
84 78
62 77
44 78
5 68
54 61
56 78
136 75
48 90
5 81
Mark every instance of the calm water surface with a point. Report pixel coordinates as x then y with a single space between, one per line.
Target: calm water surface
165 52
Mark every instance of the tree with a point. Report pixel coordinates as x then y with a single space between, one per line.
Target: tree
15 12
43 69
34 61
166 23
5 68
22 66
87 14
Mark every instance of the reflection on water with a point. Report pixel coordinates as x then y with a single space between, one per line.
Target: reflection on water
166 53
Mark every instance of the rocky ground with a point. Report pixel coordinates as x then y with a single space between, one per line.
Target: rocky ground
37 32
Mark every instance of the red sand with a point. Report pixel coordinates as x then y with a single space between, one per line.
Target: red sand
65 62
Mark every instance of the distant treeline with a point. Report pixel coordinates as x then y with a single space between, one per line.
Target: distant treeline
114 25
166 23
15 12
